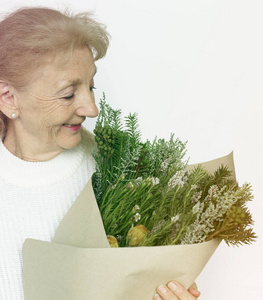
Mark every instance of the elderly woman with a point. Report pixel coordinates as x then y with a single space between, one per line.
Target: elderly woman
47 68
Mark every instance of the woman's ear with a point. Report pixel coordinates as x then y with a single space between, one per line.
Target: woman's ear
7 101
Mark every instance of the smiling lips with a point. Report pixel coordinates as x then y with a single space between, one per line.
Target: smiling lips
73 127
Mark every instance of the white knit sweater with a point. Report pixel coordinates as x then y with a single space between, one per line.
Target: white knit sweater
34 197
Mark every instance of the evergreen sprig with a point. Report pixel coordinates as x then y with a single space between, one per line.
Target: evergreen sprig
147 197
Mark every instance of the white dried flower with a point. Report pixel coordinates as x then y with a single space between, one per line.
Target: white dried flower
197 196
135 208
215 211
119 238
212 192
175 218
137 217
155 180
197 208
165 164
195 234
193 187
138 181
157 226
178 179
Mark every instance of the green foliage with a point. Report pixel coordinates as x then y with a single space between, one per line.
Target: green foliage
120 150
235 228
147 183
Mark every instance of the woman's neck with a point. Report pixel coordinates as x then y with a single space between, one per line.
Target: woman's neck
25 149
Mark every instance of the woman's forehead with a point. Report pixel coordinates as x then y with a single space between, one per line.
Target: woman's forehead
79 65
72 79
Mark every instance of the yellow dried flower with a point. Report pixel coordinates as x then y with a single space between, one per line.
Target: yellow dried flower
236 216
136 235
112 241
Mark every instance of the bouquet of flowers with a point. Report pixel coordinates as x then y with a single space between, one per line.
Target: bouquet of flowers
148 197
146 217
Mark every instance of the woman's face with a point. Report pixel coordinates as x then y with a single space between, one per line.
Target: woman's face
54 106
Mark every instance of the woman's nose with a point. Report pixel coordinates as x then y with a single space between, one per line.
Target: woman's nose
88 108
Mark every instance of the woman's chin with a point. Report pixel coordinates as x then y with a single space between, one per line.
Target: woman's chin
70 141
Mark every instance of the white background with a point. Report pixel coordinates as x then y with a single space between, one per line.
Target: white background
194 68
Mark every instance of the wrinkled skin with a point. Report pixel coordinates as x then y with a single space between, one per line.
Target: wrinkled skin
61 94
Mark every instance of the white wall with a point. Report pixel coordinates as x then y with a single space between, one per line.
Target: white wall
193 68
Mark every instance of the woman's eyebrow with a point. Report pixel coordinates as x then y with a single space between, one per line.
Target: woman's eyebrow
68 83
73 83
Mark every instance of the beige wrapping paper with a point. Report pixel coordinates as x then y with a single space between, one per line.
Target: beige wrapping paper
78 264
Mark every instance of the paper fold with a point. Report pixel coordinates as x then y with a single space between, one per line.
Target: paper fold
64 272
78 264
82 226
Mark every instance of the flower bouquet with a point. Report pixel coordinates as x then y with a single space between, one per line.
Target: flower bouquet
145 218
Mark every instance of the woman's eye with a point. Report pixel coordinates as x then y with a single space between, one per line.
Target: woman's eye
92 88
69 97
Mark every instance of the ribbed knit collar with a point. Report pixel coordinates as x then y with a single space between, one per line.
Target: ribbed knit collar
39 174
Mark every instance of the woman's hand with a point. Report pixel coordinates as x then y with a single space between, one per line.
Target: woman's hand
175 291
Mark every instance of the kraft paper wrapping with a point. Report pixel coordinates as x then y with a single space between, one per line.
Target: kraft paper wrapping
79 264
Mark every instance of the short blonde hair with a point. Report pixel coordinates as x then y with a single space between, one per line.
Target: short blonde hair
28 36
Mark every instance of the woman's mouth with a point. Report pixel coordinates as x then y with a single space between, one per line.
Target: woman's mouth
73 127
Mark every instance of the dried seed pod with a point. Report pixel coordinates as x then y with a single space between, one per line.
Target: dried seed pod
112 241
136 235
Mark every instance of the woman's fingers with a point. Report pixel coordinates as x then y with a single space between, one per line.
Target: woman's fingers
173 291
180 291
165 293
194 290
157 297
194 286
